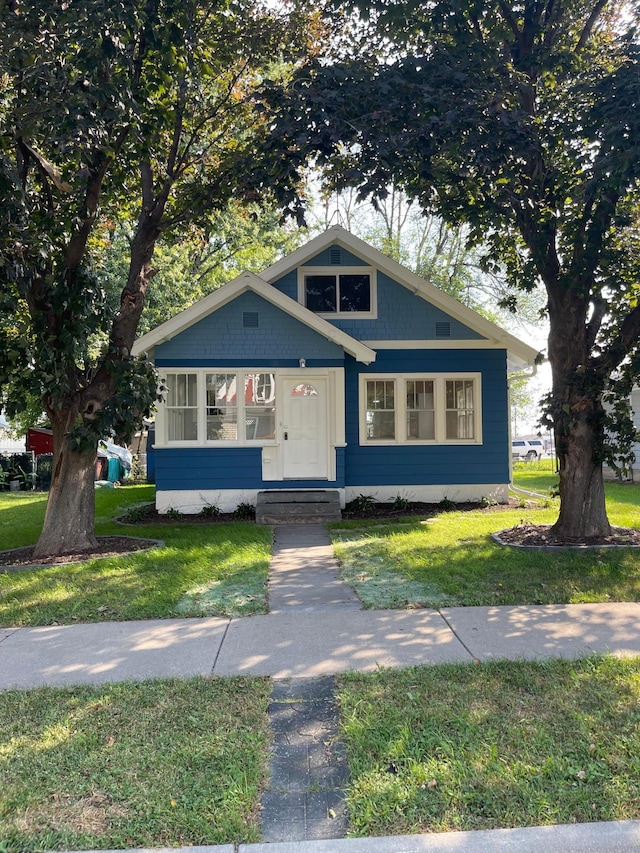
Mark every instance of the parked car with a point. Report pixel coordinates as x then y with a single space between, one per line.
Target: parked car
527 448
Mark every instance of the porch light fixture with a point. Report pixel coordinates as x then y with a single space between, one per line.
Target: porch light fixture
302 362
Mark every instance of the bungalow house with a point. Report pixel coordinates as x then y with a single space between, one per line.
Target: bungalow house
336 369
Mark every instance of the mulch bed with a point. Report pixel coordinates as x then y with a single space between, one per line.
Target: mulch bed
540 536
108 546
381 511
148 514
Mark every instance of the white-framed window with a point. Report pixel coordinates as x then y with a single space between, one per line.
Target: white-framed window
221 406
381 409
460 410
260 406
421 409
182 406
338 291
215 407
414 408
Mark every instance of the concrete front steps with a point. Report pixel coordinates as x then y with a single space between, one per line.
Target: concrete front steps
313 506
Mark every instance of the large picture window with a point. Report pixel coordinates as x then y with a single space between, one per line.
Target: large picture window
346 292
205 407
420 409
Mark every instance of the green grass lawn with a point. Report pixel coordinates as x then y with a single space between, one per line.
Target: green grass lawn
451 559
203 569
506 744
156 764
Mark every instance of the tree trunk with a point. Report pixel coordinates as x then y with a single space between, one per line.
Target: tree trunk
578 426
582 499
70 516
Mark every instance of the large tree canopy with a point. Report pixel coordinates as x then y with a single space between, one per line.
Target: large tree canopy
521 119
138 109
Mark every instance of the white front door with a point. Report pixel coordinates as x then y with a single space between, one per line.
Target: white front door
304 427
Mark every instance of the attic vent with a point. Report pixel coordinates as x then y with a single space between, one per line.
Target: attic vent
443 330
250 320
335 255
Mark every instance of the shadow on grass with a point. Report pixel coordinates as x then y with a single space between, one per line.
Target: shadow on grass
149 584
143 765
453 561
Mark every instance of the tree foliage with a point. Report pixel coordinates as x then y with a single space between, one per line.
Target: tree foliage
242 237
522 120
136 109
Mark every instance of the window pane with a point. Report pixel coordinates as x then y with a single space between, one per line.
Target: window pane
222 406
182 389
182 406
460 425
182 424
260 399
420 410
460 408
421 426
355 293
380 415
304 390
320 293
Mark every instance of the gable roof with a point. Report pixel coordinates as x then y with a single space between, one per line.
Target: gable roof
521 354
249 282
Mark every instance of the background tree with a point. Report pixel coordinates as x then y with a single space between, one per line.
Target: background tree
521 120
240 237
430 247
139 108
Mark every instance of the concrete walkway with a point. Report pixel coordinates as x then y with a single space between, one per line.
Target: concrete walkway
304 576
316 628
311 644
619 837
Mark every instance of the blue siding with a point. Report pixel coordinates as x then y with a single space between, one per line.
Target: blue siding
288 285
247 362
226 468
279 336
403 316
433 464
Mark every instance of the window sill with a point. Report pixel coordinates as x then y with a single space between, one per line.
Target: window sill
172 445
417 443
346 315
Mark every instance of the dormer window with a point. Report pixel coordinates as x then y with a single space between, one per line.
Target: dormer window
344 292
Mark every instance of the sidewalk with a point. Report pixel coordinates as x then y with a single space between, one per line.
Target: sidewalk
620 837
311 644
315 628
